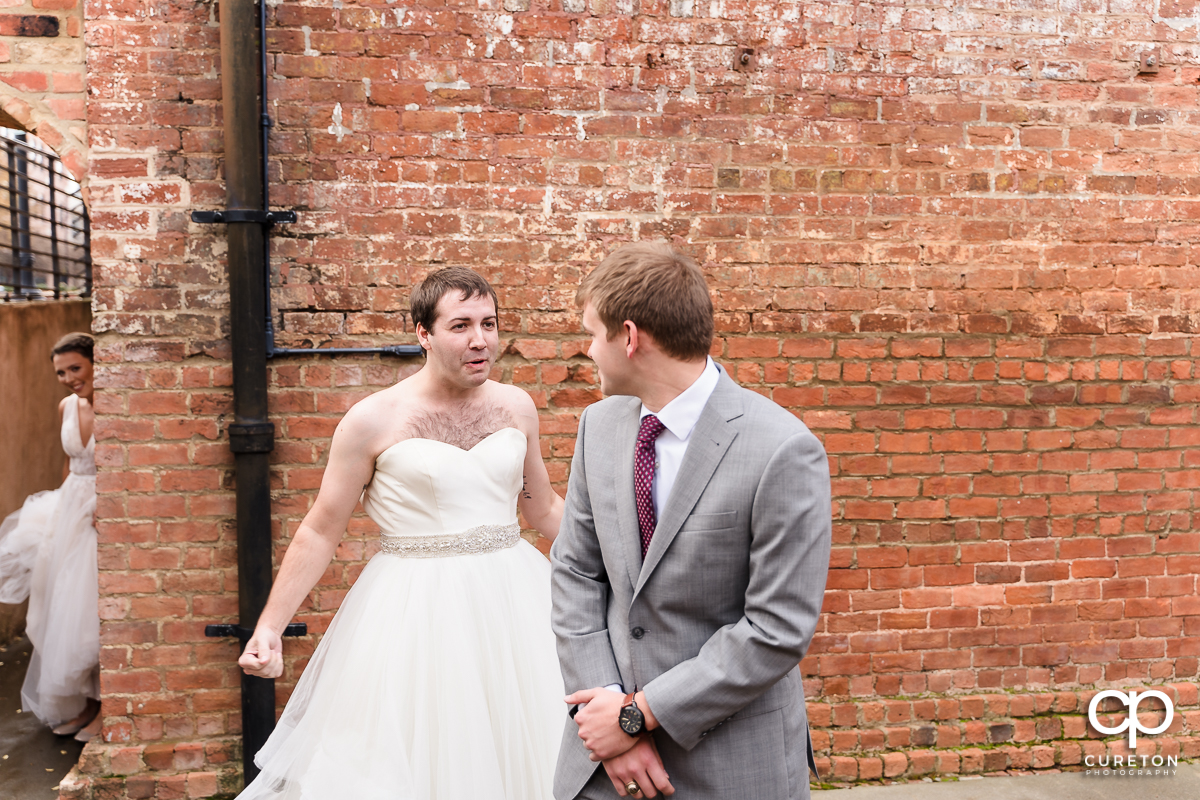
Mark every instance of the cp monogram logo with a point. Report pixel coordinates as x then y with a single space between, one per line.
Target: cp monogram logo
1131 723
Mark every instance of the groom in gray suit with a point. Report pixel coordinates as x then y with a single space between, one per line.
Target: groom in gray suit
690 567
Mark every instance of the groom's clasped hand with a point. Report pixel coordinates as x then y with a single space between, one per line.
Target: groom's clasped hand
626 758
598 724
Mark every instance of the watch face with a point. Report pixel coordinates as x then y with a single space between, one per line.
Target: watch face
631 720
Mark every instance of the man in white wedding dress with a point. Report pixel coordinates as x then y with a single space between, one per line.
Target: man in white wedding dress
437 679
689 570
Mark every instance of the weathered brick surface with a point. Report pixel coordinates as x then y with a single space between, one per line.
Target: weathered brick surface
42 75
960 244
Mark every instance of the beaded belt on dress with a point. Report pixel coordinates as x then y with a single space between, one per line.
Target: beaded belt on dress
481 539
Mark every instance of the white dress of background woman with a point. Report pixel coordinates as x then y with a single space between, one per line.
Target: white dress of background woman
48 554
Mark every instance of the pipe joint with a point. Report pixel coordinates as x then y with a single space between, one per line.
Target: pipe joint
255 437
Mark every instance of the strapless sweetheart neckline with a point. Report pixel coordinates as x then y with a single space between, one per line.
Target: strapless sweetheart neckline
454 446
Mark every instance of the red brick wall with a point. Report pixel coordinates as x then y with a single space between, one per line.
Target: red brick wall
960 244
42 76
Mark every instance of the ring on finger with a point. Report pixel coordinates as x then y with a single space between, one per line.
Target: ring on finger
632 787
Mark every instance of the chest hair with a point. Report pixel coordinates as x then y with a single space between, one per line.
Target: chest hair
463 429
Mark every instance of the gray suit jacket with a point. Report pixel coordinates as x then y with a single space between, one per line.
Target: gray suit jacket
713 624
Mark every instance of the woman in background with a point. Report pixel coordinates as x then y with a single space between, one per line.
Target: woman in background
48 554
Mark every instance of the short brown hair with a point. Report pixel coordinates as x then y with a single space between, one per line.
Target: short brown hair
658 289
81 343
426 295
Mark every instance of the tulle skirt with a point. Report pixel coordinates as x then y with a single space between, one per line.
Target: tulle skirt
19 543
437 680
48 554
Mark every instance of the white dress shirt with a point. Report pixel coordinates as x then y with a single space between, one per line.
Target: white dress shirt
679 417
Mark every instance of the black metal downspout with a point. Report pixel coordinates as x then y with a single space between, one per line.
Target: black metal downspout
251 435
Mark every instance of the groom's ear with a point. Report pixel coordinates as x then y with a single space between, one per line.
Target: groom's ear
633 338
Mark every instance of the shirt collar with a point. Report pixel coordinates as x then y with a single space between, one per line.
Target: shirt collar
681 414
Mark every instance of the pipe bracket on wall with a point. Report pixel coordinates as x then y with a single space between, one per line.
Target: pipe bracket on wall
222 630
252 437
231 215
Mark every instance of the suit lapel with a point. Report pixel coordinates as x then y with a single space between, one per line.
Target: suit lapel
707 445
625 442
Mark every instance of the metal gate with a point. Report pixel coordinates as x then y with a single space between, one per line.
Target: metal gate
45 238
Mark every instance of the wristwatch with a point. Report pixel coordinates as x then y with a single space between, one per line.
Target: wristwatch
631 720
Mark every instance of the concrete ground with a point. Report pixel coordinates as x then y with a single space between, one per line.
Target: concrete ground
32 759
1183 785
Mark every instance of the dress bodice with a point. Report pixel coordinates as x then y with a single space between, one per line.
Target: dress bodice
83 457
423 487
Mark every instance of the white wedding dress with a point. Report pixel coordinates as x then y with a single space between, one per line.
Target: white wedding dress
438 677
48 554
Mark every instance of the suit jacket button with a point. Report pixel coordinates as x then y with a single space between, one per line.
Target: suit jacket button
637 633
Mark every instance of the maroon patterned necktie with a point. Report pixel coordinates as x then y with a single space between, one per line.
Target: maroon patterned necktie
643 477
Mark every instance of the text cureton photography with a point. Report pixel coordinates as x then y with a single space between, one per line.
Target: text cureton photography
1130 765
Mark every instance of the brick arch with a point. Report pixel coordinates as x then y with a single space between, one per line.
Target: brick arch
18 110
